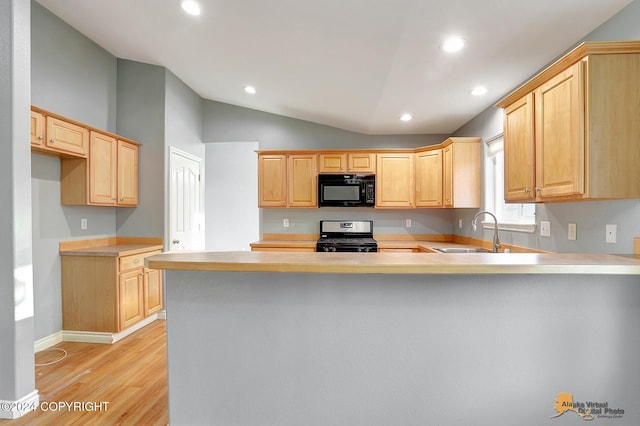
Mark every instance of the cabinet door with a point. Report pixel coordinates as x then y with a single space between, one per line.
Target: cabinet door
152 291
272 181
519 150
560 134
447 176
302 182
332 163
66 137
102 169
394 180
37 128
131 298
361 163
429 178
127 174
463 171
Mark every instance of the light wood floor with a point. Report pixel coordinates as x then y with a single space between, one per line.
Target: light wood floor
130 375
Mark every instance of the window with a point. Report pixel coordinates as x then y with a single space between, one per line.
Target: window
511 216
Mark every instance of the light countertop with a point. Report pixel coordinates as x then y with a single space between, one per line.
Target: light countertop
398 263
113 250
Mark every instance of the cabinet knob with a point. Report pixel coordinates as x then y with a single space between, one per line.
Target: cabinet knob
40 138
52 140
136 260
176 241
527 190
538 189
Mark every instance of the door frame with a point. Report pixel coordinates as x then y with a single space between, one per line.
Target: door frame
173 153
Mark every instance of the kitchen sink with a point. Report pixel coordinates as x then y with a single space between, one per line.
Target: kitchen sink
461 250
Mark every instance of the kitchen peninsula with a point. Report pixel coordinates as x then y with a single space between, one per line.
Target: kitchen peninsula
398 338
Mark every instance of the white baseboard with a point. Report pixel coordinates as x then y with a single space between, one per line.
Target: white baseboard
47 342
15 409
162 314
94 336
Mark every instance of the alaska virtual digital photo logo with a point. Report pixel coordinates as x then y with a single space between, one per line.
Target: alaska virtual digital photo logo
586 410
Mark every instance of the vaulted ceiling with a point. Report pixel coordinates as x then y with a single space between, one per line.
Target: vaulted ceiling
353 64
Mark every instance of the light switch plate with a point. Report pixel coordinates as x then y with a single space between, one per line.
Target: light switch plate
285 223
572 232
545 228
407 223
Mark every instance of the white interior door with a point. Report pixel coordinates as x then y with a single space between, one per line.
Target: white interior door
186 201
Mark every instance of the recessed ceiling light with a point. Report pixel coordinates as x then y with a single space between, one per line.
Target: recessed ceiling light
453 44
479 91
406 117
191 7
250 89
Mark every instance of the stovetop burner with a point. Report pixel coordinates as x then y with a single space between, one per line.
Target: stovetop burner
346 236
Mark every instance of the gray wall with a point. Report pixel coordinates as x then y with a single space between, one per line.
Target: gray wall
72 76
141 117
590 217
349 349
230 123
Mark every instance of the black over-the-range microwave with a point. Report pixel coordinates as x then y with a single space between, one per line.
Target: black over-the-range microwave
339 190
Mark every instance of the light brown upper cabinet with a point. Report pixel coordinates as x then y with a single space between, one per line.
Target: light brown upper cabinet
287 180
429 178
449 175
38 128
272 180
97 168
109 177
342 162
394 180
302 180
103 168
461 172
127 173
53 135
572 132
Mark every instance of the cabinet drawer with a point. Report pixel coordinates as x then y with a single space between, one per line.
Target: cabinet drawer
135 260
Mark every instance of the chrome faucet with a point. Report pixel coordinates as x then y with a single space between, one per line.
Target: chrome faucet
496 240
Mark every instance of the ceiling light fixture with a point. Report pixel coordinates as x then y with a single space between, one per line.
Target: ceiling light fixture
191 7
406 117
479 91
250 89
453 44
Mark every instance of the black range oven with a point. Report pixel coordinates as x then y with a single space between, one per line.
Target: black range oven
346 236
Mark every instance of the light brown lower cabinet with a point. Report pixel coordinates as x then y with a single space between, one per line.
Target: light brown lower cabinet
108 293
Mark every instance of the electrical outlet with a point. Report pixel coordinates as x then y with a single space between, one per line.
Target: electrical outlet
460 223
407 223
83 223
611 234
572 232
285 223
545 229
